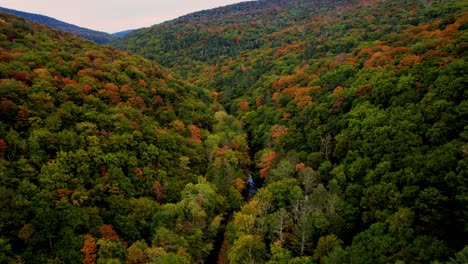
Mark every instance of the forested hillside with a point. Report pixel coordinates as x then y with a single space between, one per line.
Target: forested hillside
96 36
356 118
92 142
280 132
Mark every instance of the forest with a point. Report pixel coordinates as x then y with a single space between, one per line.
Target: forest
301 131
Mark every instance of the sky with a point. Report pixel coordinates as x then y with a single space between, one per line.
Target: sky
115 15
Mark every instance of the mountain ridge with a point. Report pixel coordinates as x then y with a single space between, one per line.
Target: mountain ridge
90 34
123 33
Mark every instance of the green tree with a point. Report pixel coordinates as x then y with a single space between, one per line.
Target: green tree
460 257
110 251
247 249
137 253
326 245
280 255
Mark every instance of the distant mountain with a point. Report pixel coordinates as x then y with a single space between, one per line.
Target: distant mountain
123 33
93 35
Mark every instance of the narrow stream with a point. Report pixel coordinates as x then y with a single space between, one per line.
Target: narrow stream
248 194
250 188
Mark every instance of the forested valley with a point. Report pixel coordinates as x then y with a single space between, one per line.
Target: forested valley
301 131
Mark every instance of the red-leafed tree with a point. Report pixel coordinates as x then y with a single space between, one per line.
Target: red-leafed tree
222 257
19 75
159 191
86 89
410 60
3 147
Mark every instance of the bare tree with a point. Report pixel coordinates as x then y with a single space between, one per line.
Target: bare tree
325 145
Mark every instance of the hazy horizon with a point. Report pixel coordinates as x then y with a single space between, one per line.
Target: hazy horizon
119 16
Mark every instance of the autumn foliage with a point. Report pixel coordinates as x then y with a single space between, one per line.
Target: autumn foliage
89 250
3 146
239 184
277 131
347 117
265 162
108 232
159 191
195 133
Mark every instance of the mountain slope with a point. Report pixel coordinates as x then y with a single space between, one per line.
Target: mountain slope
92 139
356 119
93 35
123 33
226 31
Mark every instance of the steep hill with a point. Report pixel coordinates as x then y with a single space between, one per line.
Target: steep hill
91 140
356 119
93 35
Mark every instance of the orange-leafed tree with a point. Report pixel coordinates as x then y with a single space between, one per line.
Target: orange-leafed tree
300 167
239 184
178 125
127 92
136 102
138 172
195 133
303 102
113 92
142 83
108 232
277 131
410 60
265 162
89 250
243 105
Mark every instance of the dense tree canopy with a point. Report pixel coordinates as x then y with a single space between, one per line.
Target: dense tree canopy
88 146
281 132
